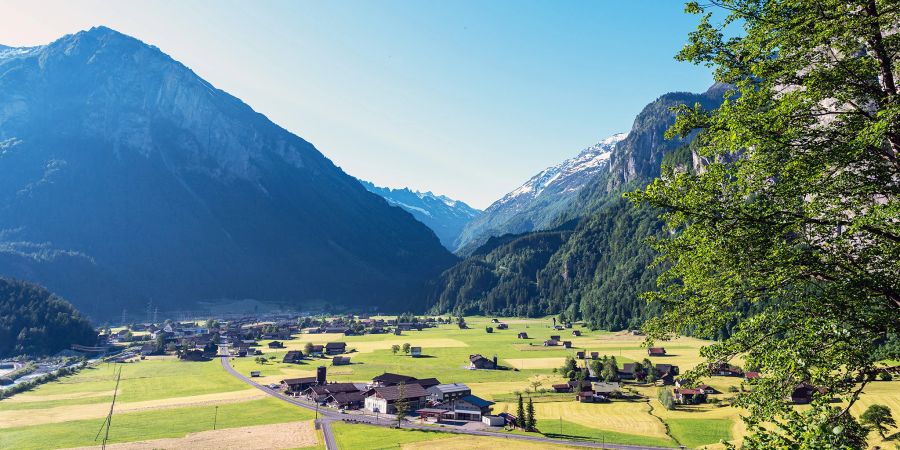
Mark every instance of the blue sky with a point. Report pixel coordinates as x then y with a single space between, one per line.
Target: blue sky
463 98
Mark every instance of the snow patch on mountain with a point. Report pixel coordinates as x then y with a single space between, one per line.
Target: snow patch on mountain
444 215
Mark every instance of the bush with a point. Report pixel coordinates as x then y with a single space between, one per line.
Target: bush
885 376
732 389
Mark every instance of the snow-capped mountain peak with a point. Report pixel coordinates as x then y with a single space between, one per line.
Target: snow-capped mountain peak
444 215
570 174
537 203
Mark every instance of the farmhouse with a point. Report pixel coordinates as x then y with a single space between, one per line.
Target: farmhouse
346 400
340 361
666 373
555 337
320 393
292 357
415 352
725 370
551 343
298 385
523 335
751 376
480 362
335 348
656 351
447 392
589 397
804 393
687 396
579 355
384 399
595 355
630 371
576 333
562 387
276 344
317 350
605 387
502 326
567 344
470 407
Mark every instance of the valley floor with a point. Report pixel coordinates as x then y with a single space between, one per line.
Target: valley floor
166 403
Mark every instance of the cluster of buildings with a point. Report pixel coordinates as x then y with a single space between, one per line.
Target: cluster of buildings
428 398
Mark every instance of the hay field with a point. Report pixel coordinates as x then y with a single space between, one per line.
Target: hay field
259 437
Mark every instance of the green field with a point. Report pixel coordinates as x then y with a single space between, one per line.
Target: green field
164 397
376 438
152 424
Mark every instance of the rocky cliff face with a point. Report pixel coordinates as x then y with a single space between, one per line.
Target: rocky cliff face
124 176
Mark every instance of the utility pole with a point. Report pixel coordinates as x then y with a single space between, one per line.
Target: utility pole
215 417
108 422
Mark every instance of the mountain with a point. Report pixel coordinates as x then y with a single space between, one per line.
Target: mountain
445 216
126 177
35 322
593 264
538 203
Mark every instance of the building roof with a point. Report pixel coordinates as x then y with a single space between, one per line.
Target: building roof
392 393
427 382
477 401
346 397
336 345
299 380
393 378
451 388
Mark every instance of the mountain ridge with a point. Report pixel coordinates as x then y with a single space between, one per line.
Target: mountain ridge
124 175
443 215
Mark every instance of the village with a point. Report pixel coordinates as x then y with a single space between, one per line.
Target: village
508 376
590 377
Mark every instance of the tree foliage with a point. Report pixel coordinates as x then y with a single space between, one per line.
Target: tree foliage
795 210
35 322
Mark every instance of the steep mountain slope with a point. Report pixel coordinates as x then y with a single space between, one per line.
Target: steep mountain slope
537 204
124 176
35 322
445 216
596 271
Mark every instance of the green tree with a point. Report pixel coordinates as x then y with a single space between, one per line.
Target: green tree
307 349
666 398
794 208
531 421
520 414
402 404
395 348
568 367
610 371
878 417
650 369
406 347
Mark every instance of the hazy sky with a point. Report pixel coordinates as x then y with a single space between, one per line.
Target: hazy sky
463 98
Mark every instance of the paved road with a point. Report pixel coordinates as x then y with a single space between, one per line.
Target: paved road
327 416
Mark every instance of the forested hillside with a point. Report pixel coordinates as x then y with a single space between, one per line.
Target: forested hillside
33 321
593 267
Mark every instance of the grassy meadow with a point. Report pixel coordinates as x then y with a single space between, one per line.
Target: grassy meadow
165 398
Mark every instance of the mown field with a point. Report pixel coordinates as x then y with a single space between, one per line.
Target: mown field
164 398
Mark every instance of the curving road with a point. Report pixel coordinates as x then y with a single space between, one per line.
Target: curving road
326 416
